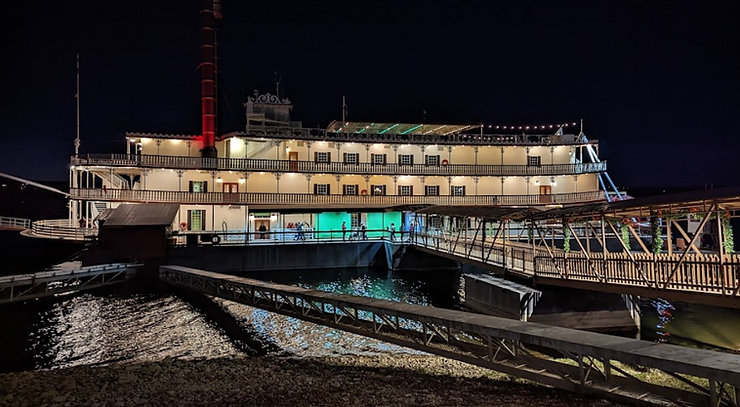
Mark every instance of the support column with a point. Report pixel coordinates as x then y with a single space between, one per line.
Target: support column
395 185
308 183
395 153
339 185
159 144
527 179
476 179
190 144
277 181
476 149
367 152
308 146
367 184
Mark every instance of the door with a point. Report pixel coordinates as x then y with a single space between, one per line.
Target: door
231 191
293 158
262 234
545 194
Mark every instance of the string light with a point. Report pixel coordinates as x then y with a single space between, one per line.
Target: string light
532 127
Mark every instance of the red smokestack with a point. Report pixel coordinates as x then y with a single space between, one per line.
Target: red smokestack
211 11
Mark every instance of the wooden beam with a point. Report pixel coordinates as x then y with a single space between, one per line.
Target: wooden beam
588 258
689 242
629 253
637 237
686 252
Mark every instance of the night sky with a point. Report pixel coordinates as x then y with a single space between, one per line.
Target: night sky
657 82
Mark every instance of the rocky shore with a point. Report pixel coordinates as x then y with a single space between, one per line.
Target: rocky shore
401 380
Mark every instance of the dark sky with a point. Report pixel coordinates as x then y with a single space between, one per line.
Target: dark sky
657 82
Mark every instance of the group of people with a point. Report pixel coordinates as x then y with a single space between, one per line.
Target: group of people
358 234
361 232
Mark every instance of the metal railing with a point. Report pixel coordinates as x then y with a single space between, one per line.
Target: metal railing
62 229
266 165
286 236
316 134
14 223
251 198
48 283
578 361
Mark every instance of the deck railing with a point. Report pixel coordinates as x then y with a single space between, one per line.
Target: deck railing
7 222
704 273
251 198
249 165
62 229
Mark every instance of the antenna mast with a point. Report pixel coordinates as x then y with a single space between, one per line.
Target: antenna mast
77 97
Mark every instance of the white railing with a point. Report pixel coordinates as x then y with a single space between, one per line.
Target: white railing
267 165
62 229
14 223
251 198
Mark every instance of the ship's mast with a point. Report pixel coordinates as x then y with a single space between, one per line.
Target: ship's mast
77 97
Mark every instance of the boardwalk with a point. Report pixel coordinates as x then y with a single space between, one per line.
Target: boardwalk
588 363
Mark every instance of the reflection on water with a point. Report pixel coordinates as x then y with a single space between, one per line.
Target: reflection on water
690 324
129 324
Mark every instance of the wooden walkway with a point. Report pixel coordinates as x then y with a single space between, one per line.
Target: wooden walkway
579 361
701 278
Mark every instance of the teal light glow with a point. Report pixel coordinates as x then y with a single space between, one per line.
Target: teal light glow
383 132
412 129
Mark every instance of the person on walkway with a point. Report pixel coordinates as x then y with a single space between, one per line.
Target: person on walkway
344 231
411 231
262 230
363 231
392 229
299 228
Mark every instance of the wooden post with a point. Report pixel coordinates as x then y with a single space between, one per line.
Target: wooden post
669 238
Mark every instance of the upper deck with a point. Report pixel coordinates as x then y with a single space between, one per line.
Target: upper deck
372 136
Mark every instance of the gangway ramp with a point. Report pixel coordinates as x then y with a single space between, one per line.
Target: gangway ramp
582 362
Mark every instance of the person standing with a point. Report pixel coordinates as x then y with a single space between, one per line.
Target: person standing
363 231
393 231
344 231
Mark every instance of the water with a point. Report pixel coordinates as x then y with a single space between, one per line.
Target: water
136 323
133 323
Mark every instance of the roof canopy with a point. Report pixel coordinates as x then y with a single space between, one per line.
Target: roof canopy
152 214
399 128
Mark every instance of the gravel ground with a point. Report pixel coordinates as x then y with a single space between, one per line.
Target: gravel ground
407 380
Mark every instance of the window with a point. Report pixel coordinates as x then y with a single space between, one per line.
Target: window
378 159
321 189
431 190
198 186
431 159
406 159
351 158
322 157
377 189
405 190
458 190
196 219
355 220
534 161
434 222
350 189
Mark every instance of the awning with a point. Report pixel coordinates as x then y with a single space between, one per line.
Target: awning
399 128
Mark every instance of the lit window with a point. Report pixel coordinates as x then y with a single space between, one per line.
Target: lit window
321 189
378 159
534 161
198 186
350 189
458 190
405 190
377 189
351 158
406 159
431 160
322 156
431 190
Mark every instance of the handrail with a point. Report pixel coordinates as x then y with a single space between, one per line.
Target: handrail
701 274
267 165
250 198
62 229
14 223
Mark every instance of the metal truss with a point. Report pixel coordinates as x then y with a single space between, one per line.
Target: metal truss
28 286
577 361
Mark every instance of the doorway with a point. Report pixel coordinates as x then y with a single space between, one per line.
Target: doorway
545 194
293 158
262 234
231 191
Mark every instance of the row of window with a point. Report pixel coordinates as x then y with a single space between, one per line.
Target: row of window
403 159
348 189
406 190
